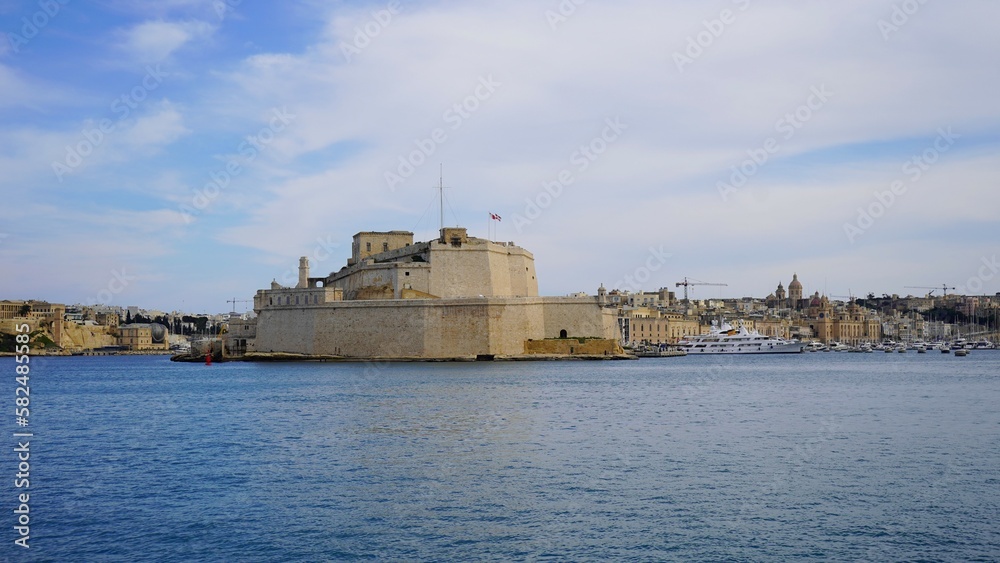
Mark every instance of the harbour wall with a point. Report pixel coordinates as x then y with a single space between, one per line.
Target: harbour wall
429 328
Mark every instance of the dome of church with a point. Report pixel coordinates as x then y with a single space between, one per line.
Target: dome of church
796 284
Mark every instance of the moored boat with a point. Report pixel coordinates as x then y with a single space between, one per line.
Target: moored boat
726 339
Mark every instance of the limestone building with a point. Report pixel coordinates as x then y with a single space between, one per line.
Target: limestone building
453 297
795 292
135 337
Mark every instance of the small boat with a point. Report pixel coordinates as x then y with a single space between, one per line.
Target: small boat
945 349
921 349
961 352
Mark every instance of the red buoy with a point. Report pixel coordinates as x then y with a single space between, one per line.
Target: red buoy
208 359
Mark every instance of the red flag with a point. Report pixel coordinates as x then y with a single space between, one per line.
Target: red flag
495 217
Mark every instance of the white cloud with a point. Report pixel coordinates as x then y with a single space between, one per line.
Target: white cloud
323 176
156 41
686 129
161 127
24 91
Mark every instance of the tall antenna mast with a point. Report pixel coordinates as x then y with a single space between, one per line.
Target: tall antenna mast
441 196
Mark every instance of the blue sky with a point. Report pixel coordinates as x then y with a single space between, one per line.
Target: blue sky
179 153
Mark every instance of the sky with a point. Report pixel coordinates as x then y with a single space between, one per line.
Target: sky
178 154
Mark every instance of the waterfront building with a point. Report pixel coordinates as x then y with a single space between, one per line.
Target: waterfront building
651 326
136 337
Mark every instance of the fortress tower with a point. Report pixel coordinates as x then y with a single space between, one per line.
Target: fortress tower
303 273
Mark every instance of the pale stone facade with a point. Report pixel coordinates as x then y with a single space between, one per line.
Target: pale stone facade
143 337
463 267
240 337
650 326
454 297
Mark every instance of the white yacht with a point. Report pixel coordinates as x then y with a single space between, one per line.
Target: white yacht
814 346
728 340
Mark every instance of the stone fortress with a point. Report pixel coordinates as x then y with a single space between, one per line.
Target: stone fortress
455 297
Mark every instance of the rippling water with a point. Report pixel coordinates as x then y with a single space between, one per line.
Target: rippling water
814 456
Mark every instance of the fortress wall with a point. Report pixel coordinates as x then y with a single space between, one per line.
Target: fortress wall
433 328
578 317
511 322
458 329
573 346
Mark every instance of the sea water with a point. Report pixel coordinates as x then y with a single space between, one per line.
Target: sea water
829 456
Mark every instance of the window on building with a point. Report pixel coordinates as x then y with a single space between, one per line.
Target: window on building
385 247
368 246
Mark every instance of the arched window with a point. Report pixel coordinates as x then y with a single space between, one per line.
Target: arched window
562 333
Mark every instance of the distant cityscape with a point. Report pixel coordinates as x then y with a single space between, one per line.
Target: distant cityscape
661 318
646 318
59 328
